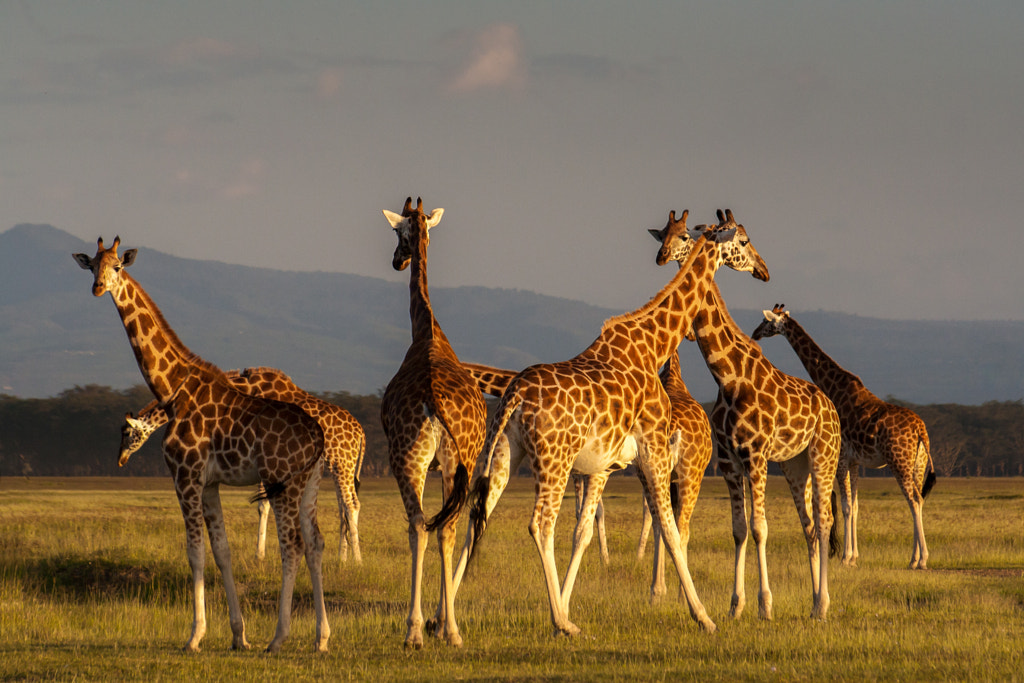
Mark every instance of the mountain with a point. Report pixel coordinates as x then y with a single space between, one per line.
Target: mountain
341 332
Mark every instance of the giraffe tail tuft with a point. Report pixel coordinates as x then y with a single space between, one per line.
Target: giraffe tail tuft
267 492
929 480
455 501
478 514
835 545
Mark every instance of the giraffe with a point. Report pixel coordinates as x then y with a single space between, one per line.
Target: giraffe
597 412
219 435
762 415
345 446
875 434
433 415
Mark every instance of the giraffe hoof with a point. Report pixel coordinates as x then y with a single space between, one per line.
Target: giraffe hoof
569 630
454 639
240 646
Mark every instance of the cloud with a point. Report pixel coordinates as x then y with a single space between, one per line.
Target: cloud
244 181
496 60
328 83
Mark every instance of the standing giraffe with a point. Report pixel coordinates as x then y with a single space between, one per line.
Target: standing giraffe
433 415
875 434
598 412
762 415
344 446
219 435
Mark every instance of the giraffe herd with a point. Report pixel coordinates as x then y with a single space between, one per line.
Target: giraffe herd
620 402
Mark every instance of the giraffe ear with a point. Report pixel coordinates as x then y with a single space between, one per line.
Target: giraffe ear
656 234
129 257
394 219
435 217
83 260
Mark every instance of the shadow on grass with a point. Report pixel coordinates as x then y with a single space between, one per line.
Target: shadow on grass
91 578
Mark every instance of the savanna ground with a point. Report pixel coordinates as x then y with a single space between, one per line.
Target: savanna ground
94 585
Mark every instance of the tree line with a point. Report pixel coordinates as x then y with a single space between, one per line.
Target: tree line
77 433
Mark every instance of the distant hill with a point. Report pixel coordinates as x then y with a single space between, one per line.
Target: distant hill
340 332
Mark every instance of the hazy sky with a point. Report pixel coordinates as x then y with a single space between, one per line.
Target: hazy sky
874 150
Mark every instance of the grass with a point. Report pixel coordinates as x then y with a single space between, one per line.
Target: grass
94 585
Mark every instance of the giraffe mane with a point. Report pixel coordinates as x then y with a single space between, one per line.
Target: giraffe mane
665 291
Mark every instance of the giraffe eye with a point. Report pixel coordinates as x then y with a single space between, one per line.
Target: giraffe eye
744 243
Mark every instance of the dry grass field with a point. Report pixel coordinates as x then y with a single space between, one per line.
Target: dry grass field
94 585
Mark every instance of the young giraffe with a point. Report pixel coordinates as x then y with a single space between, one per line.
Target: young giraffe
762 415
219 435
345 446
875 434
433 415
598 412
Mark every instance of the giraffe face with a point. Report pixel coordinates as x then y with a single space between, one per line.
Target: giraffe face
676 239
408 225
774 323
134 433
106 266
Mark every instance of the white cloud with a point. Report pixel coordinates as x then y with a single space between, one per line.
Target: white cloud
495 62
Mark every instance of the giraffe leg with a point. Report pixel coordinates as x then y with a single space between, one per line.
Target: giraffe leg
584 533
844 480
286 508
214 518
759 530
798 476
689 488
192 511
344 525
263 509
645 531
658 586
313 541
656 478
823 474
501 468
542 527
734 482
602 536
851 526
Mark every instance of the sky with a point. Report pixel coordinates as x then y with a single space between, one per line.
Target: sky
874 150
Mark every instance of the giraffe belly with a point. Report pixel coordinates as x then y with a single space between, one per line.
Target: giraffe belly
596 457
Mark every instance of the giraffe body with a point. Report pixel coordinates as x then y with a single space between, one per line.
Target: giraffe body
875 434
596 413
763 415
345 446
433 414
219 435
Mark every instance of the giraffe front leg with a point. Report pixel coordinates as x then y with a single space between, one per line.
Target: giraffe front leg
214 517
196 552
844 481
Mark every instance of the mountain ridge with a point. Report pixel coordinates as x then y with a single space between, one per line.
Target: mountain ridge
345 332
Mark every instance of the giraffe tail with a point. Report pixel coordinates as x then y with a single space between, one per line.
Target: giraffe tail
929 480
455 500
835 544
482 489
359 463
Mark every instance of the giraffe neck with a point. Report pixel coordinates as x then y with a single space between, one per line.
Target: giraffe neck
728 352
648 336
164 360
672 375
832 378
424 325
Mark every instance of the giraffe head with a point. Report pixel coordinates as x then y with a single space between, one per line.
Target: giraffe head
774 323
106 266
675 238
411 225
735 250
134 433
